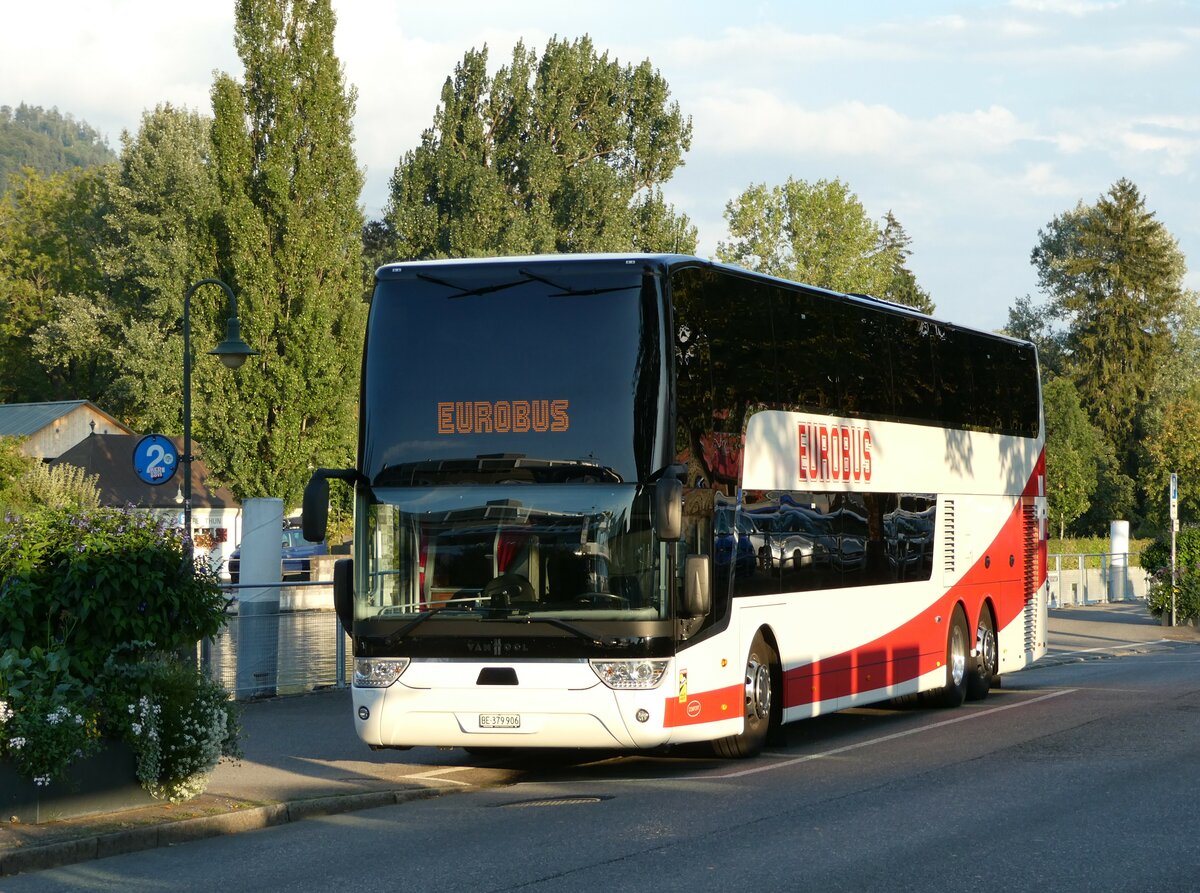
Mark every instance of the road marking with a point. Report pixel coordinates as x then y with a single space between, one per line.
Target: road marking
1105 648
881 740
433 775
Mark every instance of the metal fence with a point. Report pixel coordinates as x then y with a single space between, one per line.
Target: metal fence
285 639
1095 580
281 639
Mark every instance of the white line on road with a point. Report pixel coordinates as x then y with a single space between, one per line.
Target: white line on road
434 775
883 739
1106 648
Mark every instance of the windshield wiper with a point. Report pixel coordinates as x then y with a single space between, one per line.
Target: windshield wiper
563 625
568 292
472 292
394 637
494 468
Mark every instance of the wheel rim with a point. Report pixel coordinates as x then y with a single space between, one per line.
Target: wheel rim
987 649
958 655
758 689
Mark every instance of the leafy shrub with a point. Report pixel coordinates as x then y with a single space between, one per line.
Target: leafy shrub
45 721
178 722
90 581
1157 560
92 606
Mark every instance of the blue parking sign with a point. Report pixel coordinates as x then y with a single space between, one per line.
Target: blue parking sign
155 459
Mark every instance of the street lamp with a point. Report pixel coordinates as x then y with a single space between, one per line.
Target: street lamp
233 352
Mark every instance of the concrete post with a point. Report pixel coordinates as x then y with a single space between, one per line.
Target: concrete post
1118 560
258 609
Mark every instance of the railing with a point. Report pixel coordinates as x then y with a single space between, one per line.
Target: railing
291 642
281 639
1095 580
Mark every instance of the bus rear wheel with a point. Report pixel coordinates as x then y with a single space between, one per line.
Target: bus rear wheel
761 681
954 691
983 668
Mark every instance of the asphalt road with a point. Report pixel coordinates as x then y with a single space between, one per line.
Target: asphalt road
1078 776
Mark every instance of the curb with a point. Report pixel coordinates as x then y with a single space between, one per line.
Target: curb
70 852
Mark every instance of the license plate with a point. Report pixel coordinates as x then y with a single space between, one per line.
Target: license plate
499 720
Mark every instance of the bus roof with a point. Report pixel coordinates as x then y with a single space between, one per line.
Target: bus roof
669 262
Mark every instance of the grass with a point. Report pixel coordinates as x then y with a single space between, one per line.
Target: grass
1094 547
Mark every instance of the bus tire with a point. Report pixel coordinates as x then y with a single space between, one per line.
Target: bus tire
762 681
983 668
954 691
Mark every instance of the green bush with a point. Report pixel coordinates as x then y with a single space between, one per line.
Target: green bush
93 605
1156 559
178 722
90 581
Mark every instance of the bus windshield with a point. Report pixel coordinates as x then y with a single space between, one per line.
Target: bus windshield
565 551
558 365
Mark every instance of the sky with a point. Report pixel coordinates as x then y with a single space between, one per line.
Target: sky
975 123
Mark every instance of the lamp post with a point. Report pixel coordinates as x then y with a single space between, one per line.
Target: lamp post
233 351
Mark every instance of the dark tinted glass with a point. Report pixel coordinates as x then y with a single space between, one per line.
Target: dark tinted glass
743 342
505 371
799 541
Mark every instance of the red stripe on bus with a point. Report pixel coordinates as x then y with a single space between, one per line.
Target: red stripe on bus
705 706
919 645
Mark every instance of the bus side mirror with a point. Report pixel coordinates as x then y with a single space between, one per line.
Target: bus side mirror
668 509
343 592
697 586
315 508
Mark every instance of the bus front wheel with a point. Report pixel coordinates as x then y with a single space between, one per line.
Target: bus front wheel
761 681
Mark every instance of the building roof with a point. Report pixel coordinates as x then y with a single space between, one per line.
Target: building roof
26 419
110 456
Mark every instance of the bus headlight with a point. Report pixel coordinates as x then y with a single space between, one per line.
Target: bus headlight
372 672
625 674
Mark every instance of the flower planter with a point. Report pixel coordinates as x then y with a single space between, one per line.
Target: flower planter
104 782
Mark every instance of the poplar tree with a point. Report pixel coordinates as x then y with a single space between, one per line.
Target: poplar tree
563 153
161 215
289 237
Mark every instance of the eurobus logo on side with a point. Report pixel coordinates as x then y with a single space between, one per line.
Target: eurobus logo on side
834 452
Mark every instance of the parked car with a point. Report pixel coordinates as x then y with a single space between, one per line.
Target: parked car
297 556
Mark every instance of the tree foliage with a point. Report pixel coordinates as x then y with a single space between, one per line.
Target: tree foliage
562 153
46 142
820 234
290 245
161 219
1118 323
51 232
1075 456
1114 274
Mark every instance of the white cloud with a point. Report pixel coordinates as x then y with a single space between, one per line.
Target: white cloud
1074 8
756 120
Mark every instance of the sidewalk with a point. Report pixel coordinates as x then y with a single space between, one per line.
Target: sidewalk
303 759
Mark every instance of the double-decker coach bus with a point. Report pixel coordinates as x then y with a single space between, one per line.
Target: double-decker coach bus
640 500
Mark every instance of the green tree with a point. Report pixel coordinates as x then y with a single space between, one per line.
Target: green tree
904 288
1114 273
1172 424
161 219
290 244
46 142
51 230
1074 455
820 234
13 466
566 153
1036 323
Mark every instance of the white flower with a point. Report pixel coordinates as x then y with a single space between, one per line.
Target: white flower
137 728
42 781
17 743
